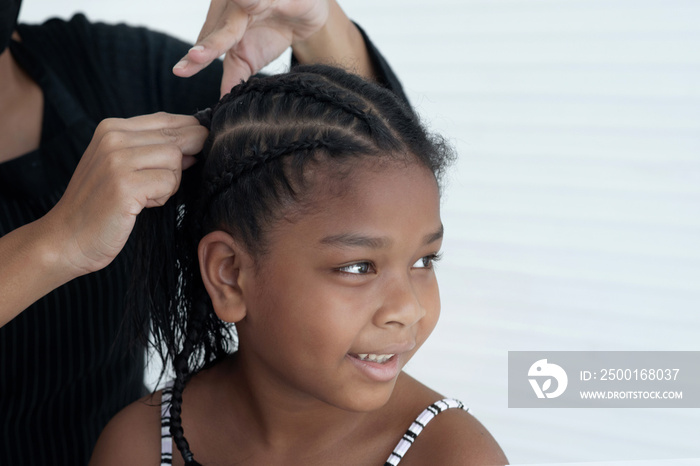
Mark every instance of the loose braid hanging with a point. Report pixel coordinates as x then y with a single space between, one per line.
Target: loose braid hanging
181 365
262 137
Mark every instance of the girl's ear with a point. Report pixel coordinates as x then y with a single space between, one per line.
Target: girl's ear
225 266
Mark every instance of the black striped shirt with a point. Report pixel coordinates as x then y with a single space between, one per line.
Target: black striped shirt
64 369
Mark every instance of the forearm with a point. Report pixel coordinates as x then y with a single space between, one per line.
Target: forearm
338 42
30 267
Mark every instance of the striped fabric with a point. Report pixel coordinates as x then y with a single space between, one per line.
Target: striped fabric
166 440
417 426
65 370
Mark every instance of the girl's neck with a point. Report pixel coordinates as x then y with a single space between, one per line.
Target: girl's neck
288 418
233 408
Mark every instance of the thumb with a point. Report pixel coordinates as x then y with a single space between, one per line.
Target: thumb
235 70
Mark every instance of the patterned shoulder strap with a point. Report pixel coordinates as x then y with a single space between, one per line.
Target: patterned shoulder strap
166 440
418 425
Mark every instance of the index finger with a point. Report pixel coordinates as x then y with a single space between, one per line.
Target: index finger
224 27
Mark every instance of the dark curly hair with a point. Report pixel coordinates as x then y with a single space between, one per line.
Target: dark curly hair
263 135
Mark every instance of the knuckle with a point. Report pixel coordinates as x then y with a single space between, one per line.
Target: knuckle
169 119
117 160
165 185
173 156
113 140
172 135
106 125
160 202
110 122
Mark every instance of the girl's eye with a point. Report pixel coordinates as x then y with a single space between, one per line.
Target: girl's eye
426 262
359 268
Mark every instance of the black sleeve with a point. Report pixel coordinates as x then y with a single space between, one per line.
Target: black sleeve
385 75
122 71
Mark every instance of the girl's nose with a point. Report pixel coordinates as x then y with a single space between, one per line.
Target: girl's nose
400 305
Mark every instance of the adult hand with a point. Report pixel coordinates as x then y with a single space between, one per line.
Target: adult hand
129 165
251 33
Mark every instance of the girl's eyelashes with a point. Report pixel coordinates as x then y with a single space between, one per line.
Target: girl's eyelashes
365 267
426 262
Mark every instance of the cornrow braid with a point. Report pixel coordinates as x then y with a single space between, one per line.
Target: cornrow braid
254 168
332 141
320 92
430 149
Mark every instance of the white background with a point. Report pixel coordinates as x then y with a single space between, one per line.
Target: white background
573 216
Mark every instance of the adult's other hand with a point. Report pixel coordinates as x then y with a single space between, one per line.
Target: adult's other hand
251 34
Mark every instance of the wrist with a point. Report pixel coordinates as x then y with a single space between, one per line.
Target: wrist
338 43
30 267
48 244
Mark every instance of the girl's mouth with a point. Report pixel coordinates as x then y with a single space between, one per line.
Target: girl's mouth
376 367
378 358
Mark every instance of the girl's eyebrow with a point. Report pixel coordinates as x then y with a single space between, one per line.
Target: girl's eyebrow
431 238
355 240
372 242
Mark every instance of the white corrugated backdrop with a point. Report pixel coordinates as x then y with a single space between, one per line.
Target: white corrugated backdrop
573 216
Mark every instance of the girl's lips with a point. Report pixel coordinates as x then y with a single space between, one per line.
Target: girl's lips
378 372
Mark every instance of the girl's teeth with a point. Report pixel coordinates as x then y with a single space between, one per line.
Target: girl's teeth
380 358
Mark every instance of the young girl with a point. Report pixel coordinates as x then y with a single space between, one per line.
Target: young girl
313 227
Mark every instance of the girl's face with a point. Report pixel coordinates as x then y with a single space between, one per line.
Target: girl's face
346 292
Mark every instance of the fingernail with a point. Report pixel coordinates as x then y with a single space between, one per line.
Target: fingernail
181 65
197 48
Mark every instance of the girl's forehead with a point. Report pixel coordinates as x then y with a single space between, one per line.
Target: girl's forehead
369 198
372 174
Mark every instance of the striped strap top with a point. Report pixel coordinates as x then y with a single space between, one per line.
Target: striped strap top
166 440
417 426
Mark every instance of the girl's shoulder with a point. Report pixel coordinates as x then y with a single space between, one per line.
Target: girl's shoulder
452 436
132 436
